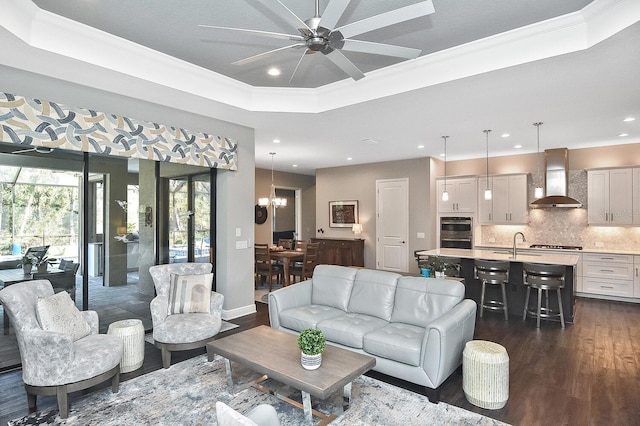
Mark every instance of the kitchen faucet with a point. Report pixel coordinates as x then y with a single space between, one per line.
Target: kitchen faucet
514 242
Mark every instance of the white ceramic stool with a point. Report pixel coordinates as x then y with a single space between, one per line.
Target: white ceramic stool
131 332
485 374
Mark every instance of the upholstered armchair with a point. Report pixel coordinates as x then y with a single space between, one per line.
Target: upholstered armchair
59 362
187 323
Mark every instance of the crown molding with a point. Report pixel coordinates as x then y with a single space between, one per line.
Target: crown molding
72 44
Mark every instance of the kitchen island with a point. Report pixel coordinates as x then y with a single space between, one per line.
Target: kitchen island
516 292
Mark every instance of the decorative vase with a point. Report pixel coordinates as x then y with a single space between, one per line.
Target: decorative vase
425 272
439 274
26 268
42 268
310 362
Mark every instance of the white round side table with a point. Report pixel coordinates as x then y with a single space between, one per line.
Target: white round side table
131 332
485 374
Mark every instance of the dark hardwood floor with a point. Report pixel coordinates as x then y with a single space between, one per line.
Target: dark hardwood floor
587 374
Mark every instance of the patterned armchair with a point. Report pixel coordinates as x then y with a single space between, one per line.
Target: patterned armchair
181 331
52 362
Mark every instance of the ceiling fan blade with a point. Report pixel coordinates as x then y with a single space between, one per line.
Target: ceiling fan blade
333 12
380 49
255 32
263 55
344 64
290 17
386 19
298 65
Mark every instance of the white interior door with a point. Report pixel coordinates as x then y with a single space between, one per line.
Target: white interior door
392 229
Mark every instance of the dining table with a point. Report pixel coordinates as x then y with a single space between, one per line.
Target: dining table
13 276
286 257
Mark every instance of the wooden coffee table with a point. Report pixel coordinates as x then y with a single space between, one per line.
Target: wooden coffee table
276 355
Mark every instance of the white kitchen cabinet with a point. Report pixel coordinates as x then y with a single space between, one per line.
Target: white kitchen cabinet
636 197
636 276
508 204
608 274
610 197
462 195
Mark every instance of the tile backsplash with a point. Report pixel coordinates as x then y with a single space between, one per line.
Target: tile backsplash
564 226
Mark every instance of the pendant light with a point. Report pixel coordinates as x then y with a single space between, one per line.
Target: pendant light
445 193
487 191
272 200
539 191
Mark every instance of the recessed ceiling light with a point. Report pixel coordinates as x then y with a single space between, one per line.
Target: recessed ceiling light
622 135
517 146
349 158
442 155
505 135
629 119
274 72
294 165
276 141
420 146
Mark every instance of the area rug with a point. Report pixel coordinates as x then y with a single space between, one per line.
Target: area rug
226 326
186 393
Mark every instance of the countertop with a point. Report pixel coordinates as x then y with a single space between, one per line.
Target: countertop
584 249
550 258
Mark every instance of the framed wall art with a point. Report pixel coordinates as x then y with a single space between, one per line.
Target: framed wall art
343 214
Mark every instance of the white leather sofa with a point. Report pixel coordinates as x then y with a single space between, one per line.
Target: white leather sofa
415 327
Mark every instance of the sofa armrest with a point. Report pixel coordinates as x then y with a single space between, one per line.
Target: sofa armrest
215 304
293 296
159 306
445 339
91 317
46 356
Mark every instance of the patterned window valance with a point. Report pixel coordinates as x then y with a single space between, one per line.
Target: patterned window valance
34 122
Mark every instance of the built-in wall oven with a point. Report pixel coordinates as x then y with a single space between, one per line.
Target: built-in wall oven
456 232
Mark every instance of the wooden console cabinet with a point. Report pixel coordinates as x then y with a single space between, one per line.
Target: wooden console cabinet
340 251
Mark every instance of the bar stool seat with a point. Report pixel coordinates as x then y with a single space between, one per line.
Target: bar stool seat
543 278
494 272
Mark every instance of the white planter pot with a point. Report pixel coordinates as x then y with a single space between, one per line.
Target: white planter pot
439 274
310 362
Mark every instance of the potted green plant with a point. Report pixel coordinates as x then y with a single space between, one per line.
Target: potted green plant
27 263
312 343
438 265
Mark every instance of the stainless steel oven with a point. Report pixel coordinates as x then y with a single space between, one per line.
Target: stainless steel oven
456 232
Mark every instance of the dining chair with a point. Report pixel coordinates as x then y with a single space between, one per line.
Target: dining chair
285 243
308 264
264 266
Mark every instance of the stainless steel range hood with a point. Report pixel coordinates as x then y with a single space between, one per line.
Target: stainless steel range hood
556 180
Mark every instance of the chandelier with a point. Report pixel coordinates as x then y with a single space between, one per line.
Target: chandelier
272 200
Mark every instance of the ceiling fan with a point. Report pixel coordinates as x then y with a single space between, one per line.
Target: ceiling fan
319 34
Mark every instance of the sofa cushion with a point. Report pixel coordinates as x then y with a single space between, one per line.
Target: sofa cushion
350 329
307 316
58 313
332 285
397 341
420 300
189 293
373 293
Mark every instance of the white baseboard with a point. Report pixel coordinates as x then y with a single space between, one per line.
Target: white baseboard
239 312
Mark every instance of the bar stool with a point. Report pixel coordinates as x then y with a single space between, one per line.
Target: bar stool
543 278
494 272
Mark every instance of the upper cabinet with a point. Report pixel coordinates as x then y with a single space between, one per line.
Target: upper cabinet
636 198
508 204
610 197
462 195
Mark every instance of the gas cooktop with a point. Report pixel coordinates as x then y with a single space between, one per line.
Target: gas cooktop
555 247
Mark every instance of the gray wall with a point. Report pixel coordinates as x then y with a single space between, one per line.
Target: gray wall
358 182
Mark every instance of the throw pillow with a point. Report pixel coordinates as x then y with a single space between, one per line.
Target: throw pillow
190 293
227 416
58 313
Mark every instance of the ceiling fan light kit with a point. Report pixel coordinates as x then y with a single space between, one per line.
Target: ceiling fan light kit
319 34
